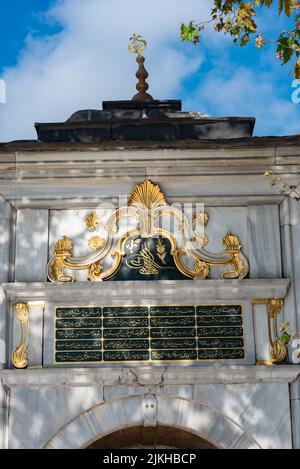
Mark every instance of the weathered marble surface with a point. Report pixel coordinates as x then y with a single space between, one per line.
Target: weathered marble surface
36 325
5 271
256 226
264 246
31 245
262 346
262 410
258 407
36 414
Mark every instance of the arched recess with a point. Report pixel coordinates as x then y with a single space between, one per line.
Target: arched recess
151 410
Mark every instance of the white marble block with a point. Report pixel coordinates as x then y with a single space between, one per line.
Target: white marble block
264 241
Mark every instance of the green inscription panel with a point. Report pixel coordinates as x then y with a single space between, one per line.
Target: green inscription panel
78 357
158 344
82 323
174 355
113 334
220 321
126 344
79 345
78 334
222 310
126 355
124 312
172 311
79 313
221 354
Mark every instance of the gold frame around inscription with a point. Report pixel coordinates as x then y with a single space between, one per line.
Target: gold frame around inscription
97 363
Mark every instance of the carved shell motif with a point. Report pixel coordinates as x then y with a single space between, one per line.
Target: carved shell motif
147 195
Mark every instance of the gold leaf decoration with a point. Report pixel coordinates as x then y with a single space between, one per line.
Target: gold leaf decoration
92 221
64 247
161 250
232 244
22 312
147 195
201 240
19 357
201 218
95 243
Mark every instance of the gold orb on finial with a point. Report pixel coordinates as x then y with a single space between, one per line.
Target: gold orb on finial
137 45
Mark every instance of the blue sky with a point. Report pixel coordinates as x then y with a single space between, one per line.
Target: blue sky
59 56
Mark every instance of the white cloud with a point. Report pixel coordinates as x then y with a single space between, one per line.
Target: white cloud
88 61
248 93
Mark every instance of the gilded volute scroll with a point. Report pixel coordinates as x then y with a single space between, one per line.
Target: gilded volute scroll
148 250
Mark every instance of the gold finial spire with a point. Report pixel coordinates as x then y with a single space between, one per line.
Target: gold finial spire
137 46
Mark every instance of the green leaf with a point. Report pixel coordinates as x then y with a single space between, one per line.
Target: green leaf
190 33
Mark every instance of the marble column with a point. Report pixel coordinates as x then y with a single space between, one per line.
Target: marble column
289 254
5 266
295 411
2 416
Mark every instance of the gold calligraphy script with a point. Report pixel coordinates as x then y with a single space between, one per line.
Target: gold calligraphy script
144 260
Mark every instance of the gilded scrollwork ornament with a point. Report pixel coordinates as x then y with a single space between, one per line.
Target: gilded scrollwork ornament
278 347
95 272
92 221
95 243
239 264
63 250
19 356
146 212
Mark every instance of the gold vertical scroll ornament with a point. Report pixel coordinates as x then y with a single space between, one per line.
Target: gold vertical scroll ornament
19 356
278 348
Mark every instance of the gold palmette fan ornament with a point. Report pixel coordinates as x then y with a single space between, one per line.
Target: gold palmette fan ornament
147 195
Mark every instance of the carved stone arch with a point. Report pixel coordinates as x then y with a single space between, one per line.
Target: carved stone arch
197 418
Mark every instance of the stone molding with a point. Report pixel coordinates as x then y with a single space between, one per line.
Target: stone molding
150 376
196 290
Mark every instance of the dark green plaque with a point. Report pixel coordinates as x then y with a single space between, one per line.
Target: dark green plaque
82 323
172 311
219 321
221 354
220 331
79 313
164 332
126 345
74 357
79 334
122 311
155 333
222 310
221 342
174 355
125 322
173 344
148 259
172 322
73 345
126 356
126 333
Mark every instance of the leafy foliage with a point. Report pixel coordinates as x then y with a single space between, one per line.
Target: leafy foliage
283 187
238 19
